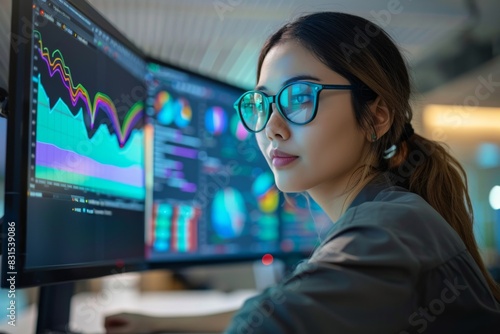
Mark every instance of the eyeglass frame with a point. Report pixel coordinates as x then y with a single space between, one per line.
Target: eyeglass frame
270 99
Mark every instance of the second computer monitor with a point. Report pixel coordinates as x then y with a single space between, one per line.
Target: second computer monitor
211 194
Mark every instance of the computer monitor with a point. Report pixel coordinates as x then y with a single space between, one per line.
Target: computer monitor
211 196
75 193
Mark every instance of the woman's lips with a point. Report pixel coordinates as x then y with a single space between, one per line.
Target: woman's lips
281 162
281 159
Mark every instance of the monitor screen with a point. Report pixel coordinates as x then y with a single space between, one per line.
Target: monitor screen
75 187
211 194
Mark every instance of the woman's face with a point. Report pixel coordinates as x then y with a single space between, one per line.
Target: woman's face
329 148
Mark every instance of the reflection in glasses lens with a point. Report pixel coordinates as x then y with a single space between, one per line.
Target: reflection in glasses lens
253 111
297 103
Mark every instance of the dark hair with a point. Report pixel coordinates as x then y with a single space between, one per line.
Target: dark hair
365 55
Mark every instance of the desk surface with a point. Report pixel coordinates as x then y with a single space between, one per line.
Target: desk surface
89 309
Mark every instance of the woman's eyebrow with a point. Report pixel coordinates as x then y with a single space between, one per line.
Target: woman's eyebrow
292 79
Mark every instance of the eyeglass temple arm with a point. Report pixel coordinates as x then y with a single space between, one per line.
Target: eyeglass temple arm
337 86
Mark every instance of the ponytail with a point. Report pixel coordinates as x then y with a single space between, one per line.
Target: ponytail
423 166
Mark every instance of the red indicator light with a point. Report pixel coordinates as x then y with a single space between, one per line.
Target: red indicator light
267 259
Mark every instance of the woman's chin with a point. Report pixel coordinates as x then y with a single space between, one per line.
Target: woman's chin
289 187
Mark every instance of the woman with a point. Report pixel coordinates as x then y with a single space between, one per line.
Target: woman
332 117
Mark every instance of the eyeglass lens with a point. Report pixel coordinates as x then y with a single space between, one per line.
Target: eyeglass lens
296 102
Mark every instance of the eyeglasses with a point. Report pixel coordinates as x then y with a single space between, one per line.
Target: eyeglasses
297 102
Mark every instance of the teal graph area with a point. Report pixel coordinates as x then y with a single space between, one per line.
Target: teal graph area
65 154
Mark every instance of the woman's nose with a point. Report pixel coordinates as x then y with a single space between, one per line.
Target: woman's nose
277 127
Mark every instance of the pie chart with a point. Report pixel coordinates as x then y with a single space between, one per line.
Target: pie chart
216 120
228 213
184 113
266 192
165 108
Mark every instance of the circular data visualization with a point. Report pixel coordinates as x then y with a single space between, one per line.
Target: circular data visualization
237 128
165 108
228 213
169 110
265 191
185 114
216 120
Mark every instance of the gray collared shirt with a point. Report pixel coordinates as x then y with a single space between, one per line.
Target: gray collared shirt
390 264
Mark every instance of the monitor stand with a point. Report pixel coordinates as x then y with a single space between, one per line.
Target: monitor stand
54 304
268 275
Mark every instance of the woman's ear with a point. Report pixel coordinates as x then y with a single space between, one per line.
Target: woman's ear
382 119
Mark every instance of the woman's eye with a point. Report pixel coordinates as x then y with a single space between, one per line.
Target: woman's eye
248 105
253 105
301 98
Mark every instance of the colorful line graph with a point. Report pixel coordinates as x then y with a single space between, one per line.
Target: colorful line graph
65 154
102 102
